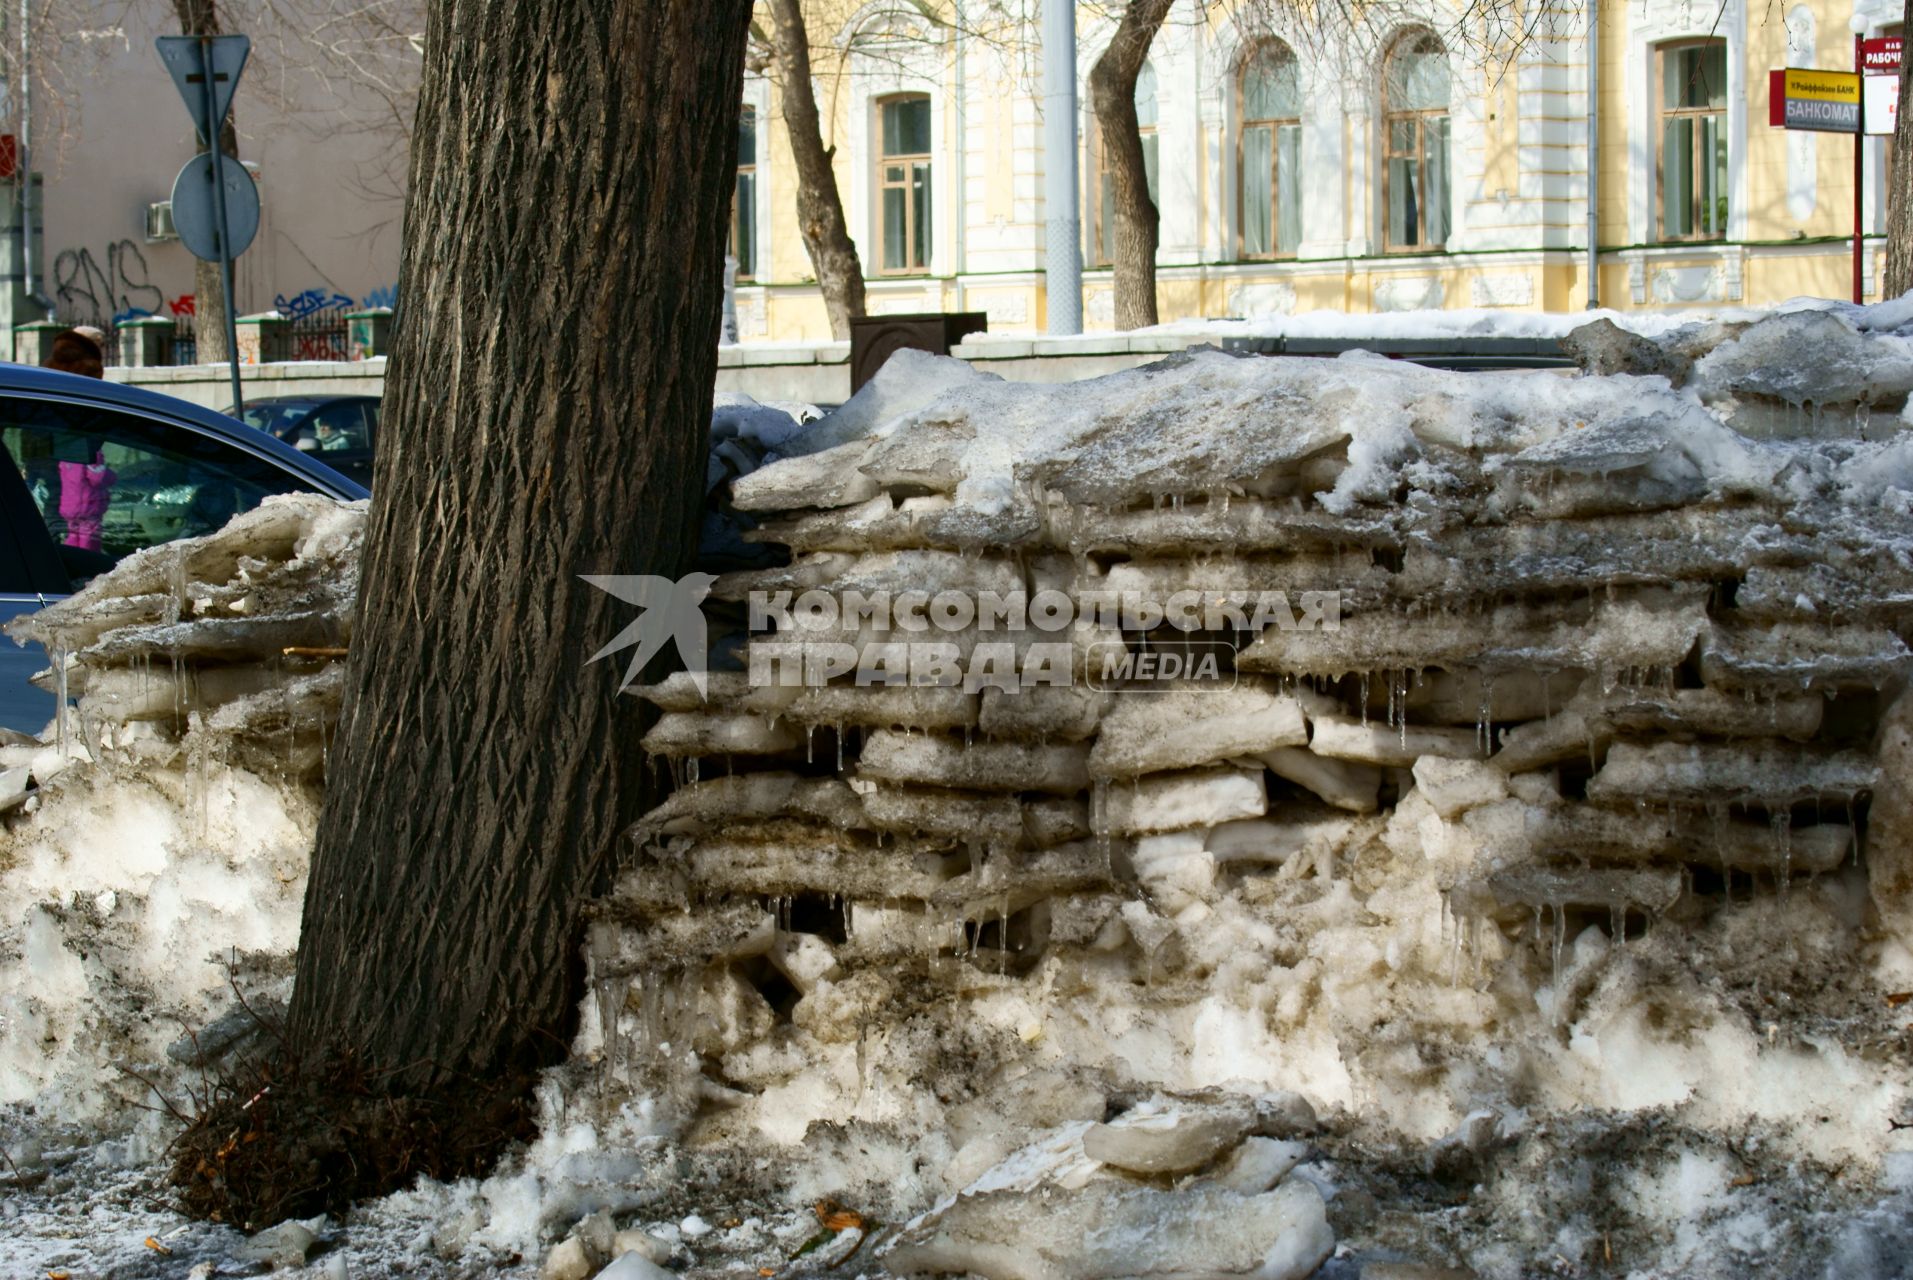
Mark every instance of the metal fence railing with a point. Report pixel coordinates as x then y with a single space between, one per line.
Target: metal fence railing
322 335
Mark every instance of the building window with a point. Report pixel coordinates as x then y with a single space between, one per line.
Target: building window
744 203
1269 154
1103 251
903 185
1693 150
1415 143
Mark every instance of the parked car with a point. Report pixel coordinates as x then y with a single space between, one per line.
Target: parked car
340 429
102 470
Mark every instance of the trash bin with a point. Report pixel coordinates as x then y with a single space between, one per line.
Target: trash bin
873 339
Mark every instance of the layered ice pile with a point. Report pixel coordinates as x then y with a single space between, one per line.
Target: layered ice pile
1548 912
153 857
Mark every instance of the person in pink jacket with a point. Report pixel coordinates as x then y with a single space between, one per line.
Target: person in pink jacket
86 489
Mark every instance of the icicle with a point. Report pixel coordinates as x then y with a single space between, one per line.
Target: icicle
1560 939
810 744
59 693
1783 836
1364 699
1484 727
690 768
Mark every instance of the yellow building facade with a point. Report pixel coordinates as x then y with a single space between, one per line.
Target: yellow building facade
1414 166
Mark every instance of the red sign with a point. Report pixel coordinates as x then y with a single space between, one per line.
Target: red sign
9 155
1880 56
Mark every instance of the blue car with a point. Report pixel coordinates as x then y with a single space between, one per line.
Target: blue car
101 471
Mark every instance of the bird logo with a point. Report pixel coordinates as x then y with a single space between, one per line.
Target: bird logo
670 610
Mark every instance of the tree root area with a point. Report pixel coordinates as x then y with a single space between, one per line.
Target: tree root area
297 1141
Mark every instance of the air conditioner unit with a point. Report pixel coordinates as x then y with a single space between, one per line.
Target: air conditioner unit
159 222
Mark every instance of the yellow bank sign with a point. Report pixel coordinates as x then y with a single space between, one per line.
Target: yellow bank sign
1827 101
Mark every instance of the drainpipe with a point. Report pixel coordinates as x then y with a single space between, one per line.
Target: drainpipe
29 269
1063 250
1594 154
961 187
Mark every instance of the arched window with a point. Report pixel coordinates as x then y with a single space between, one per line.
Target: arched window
744 202
1103 250
903 184
1269 153
1415 143
1693 154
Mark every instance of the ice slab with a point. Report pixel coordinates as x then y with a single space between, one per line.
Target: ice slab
1151 729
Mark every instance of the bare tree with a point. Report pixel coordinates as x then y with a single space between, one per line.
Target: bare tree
201 18
820 209
1112 94
578 154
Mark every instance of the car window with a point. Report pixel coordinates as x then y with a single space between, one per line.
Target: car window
276 417
337 428
109 483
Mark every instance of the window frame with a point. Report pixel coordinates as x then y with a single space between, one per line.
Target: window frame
746 168
1275 125
1419 116
880 185
1662 114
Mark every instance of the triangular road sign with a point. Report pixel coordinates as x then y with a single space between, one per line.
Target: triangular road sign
186 59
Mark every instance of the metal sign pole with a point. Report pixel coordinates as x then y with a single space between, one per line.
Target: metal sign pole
1859 173
217 127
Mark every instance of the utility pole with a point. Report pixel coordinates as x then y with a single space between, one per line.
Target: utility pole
1063 249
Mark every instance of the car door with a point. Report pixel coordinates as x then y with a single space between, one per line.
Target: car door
88 485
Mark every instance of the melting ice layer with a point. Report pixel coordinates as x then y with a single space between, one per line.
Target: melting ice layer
1594 758
153 861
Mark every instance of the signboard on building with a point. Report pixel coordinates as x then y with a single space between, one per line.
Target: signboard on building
1823 101
1880 61
1882 98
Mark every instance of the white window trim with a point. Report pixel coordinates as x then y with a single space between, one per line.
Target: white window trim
922 68
1464 140
1665 24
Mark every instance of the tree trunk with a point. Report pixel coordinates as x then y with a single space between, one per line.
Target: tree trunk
1112 95
546 416
1899 195
201 18
820 211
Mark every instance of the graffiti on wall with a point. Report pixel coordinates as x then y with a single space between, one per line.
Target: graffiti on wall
310 302
88 290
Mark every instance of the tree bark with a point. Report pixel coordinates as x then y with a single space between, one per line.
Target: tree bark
546 416
1112 95
820 210
1899 196
201 18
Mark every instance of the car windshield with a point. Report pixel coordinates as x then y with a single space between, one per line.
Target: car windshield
276 417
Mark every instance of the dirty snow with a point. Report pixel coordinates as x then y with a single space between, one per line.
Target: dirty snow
1550 917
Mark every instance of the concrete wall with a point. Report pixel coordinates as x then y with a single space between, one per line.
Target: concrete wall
324 154
815 373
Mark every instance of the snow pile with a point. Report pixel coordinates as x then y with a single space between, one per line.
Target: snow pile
1487 322
1575 851
152 866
